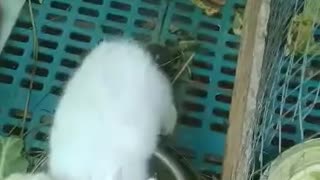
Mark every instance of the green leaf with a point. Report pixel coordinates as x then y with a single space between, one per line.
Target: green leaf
11 158
238 21
300 39
312 9
315 175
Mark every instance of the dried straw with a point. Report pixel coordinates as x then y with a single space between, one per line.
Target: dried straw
35 57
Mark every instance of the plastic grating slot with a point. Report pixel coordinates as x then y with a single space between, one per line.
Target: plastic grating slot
205 103
67 30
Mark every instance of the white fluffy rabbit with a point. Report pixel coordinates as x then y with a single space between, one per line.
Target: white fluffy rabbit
25 176
107 123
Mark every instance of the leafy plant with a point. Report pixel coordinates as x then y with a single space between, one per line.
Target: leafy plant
11 158
300 39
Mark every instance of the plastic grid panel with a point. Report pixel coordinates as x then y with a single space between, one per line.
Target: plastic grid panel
68 29
205 103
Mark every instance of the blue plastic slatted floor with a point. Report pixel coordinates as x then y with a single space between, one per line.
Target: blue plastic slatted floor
68 29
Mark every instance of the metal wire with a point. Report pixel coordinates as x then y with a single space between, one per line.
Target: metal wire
284 77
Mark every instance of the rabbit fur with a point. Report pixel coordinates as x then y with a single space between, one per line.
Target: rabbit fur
108 120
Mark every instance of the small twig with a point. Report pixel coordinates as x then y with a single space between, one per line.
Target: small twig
35 57
170 61
37 128
262 169
186 162
189 71
42 160
184 67
39 153
313 136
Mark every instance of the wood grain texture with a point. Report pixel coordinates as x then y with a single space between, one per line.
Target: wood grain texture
244 98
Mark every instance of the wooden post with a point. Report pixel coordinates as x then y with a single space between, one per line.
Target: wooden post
248 75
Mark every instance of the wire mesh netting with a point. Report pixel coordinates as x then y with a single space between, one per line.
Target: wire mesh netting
289 103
